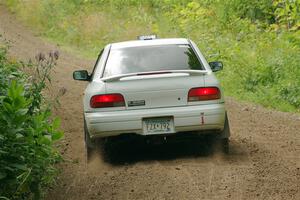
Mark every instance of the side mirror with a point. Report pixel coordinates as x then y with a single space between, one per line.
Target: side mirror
81 75
216 66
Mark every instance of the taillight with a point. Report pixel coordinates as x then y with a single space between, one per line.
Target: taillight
204 94
107 100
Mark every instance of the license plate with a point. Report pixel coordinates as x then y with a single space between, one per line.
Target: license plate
159 125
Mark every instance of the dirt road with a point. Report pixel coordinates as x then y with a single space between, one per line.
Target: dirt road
263 163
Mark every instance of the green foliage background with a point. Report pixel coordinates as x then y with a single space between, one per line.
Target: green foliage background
27 131
258 40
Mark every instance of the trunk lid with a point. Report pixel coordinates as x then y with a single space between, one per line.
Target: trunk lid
154 91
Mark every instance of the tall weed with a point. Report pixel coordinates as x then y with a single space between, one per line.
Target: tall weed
27 130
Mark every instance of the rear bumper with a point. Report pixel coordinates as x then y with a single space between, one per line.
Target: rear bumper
187 118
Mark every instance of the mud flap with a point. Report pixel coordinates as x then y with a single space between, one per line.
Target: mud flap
91 146
225 133
222 138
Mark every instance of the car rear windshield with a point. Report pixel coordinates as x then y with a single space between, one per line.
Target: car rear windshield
151 58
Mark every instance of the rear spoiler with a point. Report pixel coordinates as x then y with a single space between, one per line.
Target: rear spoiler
190 72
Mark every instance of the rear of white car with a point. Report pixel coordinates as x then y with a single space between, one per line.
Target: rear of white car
153 87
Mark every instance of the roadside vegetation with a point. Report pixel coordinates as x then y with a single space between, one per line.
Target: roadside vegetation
258 41
27 129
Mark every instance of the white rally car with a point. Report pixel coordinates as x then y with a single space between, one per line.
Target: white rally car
153 87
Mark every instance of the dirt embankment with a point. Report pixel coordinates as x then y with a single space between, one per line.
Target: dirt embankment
263 163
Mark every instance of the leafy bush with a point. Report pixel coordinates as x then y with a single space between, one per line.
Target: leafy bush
261 66
287 13
27 130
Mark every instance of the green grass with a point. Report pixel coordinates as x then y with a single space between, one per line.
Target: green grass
260 49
